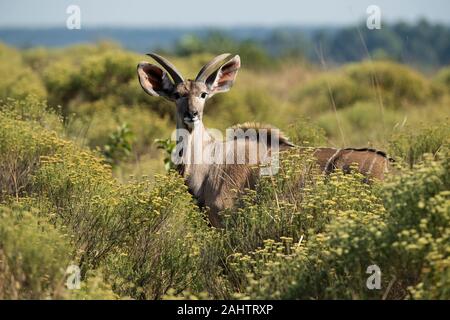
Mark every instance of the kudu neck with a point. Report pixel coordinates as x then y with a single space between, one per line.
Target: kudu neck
197 133
191 142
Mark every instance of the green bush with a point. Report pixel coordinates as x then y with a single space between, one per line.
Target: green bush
59 81
435 279
395 84
17 80
118 147
33 256
418 203
384 83
443 78
33 109
104 74
238 106
93 287
303 132
163 243
94 76
105 218
329 91
403 227
331 217
21 146
412 143
94 124
370 121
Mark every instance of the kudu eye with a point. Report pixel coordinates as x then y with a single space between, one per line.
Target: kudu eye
203 95
176 96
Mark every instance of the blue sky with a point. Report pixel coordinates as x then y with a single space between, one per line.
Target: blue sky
143 13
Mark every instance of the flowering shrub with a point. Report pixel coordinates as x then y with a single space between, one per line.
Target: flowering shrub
402 227
33 268
138 232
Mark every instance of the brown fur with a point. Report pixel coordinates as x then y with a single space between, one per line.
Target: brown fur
216 186
221 184
370 162
283 140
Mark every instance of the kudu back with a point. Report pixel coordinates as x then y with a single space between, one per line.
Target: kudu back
213 182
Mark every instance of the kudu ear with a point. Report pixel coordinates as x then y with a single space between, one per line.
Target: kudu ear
155 81
223 78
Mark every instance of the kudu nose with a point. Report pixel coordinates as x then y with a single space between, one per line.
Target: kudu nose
191 114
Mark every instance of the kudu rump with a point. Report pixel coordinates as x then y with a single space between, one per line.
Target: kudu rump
215 169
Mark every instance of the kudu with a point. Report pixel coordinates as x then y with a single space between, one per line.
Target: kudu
214 183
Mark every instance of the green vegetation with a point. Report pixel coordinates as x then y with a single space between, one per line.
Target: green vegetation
422 44
83 182
15 71
380 82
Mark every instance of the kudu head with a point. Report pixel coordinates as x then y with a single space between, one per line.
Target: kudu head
189 95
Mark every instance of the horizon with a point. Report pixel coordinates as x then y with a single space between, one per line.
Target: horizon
143 14
225 27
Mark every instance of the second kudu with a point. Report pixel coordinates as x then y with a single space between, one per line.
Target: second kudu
214 184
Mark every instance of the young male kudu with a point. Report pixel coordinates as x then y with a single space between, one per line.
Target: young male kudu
213 183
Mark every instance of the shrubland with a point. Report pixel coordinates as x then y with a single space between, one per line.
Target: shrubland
83 183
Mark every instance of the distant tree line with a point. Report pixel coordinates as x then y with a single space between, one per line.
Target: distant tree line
422 44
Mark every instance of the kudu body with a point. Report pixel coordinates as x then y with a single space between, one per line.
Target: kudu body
214 182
